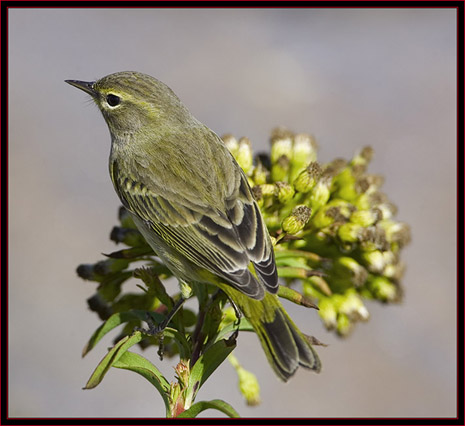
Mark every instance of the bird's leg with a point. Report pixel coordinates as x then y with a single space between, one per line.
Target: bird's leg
160 327
154 329
237 323
197 338
157 330
237 312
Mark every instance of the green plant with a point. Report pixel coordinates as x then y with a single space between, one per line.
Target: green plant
334 234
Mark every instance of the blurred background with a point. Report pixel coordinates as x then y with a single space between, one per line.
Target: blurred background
351 77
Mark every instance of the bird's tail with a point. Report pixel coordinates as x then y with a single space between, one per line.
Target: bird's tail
284 344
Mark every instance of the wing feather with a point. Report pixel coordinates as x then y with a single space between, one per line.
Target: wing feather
223 242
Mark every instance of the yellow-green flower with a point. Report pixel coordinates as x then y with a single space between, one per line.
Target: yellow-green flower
248 383
297 220
244 155
284 192
308 177
304 152
281 144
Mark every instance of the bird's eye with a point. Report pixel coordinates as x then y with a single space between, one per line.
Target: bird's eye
113 100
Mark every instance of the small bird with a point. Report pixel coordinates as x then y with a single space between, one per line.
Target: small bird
192 202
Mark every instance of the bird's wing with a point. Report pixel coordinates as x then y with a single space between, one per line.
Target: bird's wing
222 242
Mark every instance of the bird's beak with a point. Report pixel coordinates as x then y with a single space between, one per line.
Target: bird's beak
86 86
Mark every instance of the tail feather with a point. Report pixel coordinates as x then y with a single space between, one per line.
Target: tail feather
285 346
280 345
308 357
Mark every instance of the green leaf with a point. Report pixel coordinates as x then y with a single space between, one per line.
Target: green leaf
291 272
111 357
135 301
114 321
295 297
180 339
216 404
206 365
298 262
131 253
123 317
110 286
244 325
137 363
154 285
282 254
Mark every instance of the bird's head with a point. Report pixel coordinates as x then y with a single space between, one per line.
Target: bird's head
131 100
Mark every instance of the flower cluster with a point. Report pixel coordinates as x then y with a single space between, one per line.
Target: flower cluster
334 230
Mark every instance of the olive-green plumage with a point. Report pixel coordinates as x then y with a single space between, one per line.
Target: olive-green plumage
193 204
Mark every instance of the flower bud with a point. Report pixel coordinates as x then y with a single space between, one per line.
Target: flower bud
383 289
374 260
272 220
128 236
183 372
108 266
320 194
345 184
373 238
304 152
335 167
327 312
344 326
260 174
348 268
307 178
258 195
268 189
231 143
351 305
363 157
376 198
280 169
248 383
296 221
99 305
87 272
365 217
362 201
387 210
369 183
349 232
396 232
394 271
324 217
281 143
249 387
244 156
284 192
335 212
125 218
344 209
